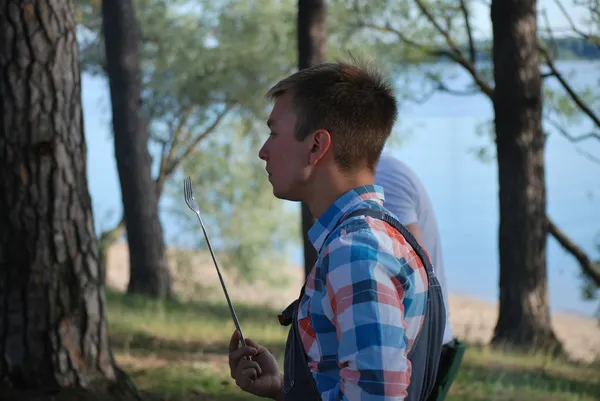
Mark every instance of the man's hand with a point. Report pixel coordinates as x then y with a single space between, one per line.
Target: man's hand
261 375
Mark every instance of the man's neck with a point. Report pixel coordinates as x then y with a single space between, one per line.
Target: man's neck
328 190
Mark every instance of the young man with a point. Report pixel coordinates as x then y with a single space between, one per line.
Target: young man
369 321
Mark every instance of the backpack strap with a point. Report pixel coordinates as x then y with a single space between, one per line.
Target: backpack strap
381 215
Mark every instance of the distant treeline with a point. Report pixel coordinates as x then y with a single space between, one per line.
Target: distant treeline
565 48
575 48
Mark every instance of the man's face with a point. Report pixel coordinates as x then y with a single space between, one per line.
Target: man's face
287 159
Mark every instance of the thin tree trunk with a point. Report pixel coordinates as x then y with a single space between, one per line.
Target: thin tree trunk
53 330
312 43
111 236
149 272
524 316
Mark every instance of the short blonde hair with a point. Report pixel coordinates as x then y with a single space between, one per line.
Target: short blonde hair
354 103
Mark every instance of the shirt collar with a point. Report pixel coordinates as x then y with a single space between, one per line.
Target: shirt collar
327 222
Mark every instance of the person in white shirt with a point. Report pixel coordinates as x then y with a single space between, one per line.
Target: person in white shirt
406 197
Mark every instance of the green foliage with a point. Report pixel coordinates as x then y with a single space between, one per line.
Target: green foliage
200 56
420 37
415 49
244 220
423 33
572 109
206 66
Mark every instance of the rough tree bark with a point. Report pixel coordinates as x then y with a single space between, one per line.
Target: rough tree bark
53 329
312 43
524 316
149 272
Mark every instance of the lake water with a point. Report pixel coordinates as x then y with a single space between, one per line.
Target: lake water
437 141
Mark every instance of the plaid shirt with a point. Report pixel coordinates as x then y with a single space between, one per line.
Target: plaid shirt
364 303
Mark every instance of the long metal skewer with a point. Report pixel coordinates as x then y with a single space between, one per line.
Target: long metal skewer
193 205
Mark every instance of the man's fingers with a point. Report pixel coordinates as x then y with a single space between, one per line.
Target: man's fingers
245 379
259 348
236 357
252 343
242 369
250 373
246 373
246 364
235 339
241 352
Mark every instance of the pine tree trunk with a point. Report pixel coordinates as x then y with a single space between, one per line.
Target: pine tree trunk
524 316
53 329
149 272
312 42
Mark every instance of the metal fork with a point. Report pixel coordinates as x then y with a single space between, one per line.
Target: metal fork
193 205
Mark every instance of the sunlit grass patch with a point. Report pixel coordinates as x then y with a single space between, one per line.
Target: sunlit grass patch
179 350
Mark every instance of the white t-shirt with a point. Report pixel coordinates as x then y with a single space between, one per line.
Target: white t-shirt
406 197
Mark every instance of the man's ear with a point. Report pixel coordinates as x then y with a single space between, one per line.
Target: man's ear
320 142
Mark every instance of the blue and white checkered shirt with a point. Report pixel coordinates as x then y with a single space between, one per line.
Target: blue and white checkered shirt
364 303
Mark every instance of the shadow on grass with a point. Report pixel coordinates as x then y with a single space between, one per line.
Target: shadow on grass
175 349
188 383
478 380
134 304
475 383
497 381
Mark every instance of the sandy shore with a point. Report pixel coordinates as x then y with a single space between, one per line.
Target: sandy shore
472 319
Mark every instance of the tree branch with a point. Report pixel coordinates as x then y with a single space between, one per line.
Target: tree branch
554 44
442 87
458 56
574 96
472 51
570 137
449 39
593 39
590 268
167 157
595 11
425 98
387 28
190 147
588 156
108 237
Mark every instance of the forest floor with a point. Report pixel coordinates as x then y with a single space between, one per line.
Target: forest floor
178 349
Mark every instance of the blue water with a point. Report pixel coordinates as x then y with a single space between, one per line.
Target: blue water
437 139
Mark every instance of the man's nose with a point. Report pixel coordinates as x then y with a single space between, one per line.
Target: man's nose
262 153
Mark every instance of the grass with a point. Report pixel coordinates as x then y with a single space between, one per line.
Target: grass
179 351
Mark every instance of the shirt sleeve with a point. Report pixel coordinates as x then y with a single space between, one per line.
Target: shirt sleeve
400 192
366 306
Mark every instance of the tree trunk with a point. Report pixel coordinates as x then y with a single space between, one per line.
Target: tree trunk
149 272
312 42
111 236
53 330
524 316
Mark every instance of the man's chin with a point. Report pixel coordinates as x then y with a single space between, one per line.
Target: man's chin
285 196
